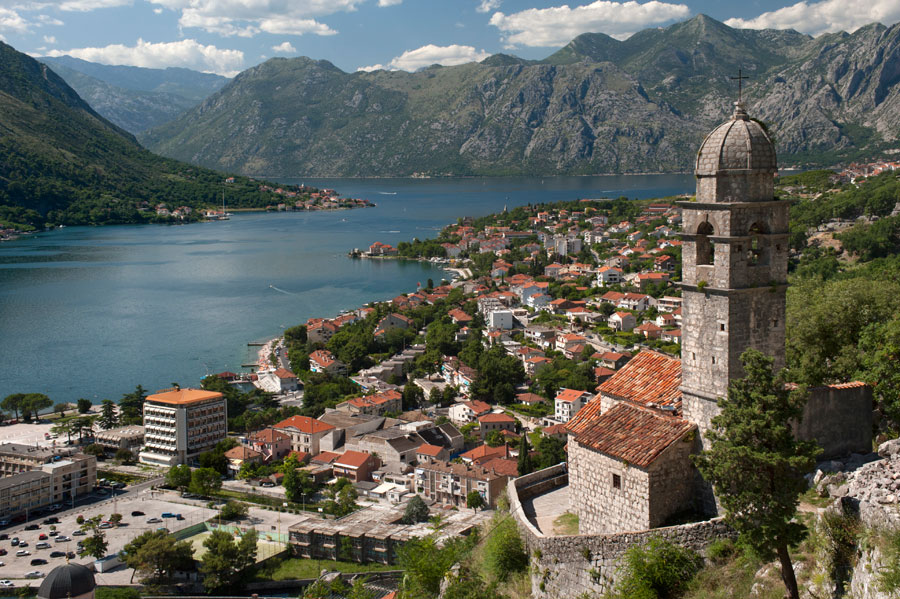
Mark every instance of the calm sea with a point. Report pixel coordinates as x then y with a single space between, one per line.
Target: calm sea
93 311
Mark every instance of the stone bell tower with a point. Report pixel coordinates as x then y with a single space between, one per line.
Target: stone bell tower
734 264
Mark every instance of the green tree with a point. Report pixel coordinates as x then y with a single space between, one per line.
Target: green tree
205 481
13 403
756 465
233 510
33 403
551 452
525 466
179 476
425 563
95 449
468 584
125 456
474 500
131 406
494 439
155 555
298 484
416 511
658 569
84 405
225 560
108 417
60 409
94 543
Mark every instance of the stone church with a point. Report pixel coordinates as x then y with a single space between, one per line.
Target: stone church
629 447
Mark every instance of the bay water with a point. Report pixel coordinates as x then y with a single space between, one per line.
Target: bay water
93 311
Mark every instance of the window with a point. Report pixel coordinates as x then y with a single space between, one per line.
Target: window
775 323
617 481
721 326
705 250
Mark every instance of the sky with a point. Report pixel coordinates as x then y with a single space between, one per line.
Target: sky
228 36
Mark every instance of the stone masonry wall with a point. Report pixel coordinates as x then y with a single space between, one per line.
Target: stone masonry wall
563 567
671 481
608 509
839 419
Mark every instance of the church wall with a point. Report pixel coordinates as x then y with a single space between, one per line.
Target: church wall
671 481
704 343
839 419
601 507
749 187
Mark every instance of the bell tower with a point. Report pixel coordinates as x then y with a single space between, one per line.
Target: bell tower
734 264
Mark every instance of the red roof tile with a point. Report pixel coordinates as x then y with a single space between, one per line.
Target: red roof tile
430 450
503 467
649 377
352 459
485 452
304 424
497 418
633 434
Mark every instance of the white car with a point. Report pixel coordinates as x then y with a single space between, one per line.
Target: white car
22 553
62 539
154 520
6 584
34 574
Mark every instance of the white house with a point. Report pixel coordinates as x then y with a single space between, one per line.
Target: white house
622 321
500 319
609 275
568 402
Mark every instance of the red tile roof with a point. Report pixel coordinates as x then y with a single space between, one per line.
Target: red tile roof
241 453
479 407
569 395
352 459
485 452
430 450
503 467
269 435
650 377
326 457
497 418
304 424
284 373
633 434
529 398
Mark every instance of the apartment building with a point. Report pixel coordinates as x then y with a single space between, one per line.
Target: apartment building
305 432
61 479
449 483
71 476
180 424
130 438
24 491
15 457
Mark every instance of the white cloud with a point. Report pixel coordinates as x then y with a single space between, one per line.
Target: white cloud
50 39
824 17
89 5
184 53
48 20
488 5
247 18
558 25
10 20
285 48
158 11
389 2
413 60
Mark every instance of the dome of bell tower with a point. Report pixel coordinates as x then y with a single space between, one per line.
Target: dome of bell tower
736 162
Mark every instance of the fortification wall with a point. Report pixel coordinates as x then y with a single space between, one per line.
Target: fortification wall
566 566
839 418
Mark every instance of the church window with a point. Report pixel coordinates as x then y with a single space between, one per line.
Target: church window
755 255
617 481
713 359
775 323
721 326
706 253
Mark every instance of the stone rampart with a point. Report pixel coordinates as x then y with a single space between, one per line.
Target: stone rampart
568 565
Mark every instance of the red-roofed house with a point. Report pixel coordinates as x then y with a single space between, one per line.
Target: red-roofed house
495 422
427 452
649 330
485 453
393 321
622 321
240 455
355 466
568 402
468 411
271 443
280 380
305 432
323 360
459 317
376 405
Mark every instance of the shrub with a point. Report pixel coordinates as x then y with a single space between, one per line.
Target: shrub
504 552
657 570
721 550
839 533
889 578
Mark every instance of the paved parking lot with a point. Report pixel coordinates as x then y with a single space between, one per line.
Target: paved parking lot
145 501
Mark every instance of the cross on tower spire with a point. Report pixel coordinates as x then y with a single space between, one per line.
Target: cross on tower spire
740 81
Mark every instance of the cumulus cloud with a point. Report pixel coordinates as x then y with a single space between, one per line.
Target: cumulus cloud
10 20
186 53
247 18
284 48
488 5
50 39
413 60
158 11
389 2
48 20
557 25
827 16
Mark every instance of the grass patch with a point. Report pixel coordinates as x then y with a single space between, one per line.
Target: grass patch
267 501
299 568
813 498
566 524
120 477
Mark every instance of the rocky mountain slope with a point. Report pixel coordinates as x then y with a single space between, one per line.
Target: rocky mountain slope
598 105
135 98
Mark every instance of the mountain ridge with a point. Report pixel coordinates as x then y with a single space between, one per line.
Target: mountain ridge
598 105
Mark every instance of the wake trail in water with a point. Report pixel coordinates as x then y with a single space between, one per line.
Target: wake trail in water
281 290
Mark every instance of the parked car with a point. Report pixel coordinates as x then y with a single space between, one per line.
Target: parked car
118 485
42 545
78 533
15 541
6 584
154 520
42 537
34 574
22 553
52 520
168 515
57 554
23 543
179 517
38 561
2 551
62 539
53 533
4 537
268 484
105 524
137 513
54 507
33 527
70 555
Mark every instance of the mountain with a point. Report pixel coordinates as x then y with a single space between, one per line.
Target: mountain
61 162
598 105
135 98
